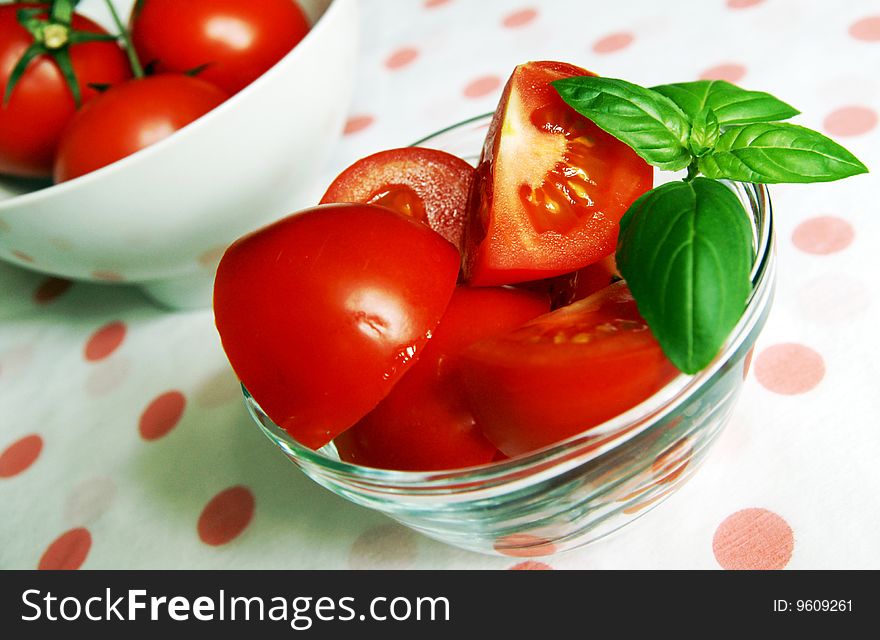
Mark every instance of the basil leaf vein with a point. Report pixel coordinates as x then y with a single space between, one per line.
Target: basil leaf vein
650 123
686 251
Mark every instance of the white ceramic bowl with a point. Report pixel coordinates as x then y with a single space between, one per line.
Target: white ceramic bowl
162 217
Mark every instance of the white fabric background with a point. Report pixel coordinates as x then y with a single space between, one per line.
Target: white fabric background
809 458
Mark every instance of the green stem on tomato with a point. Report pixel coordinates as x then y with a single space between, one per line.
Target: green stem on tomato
62 11
136 67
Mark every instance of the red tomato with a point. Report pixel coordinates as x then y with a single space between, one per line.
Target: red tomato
41 103
321 313
551 186
571 287
426 184
238 40
131 117
565 372
425 423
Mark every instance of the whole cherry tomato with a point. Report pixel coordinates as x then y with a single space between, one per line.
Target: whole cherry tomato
41 104
130 117
232 41
321 313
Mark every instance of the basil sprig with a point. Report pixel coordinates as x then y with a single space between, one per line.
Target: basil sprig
686 248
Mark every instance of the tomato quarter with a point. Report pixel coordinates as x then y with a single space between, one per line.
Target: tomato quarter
41 104
131 117
321 313
565 372
550 188
232 41
425 423
425 184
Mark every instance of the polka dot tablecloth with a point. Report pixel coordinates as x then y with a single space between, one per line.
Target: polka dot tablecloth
124 442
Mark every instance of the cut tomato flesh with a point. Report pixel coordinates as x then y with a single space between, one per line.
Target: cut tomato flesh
551 186
564 372
426 184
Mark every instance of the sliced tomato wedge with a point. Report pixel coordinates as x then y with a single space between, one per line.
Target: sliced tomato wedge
428 185
550 187
564 372
321 313
425 423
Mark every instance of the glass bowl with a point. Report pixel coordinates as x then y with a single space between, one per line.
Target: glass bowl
579 490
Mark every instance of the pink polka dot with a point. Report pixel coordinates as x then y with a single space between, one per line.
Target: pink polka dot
357 123
853 120
226 516
221 388
50 289
105 341
89 500
387 546
730 71
67 552
867 29
162 415
753 539
104 275
613 42
401 58
531 565
520 18
789 369
21 255
482 86
20 455
211 258
524 545
833 299
107 376
430 4
823 235
743 4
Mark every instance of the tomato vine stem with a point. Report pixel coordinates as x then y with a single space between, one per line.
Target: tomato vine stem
136 67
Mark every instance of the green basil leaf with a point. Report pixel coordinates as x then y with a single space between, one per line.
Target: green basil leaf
731 104
704 132
778 152
686 252
648 122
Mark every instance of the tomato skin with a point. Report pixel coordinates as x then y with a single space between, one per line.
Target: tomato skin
425 423
238 40
427 184
550 186
580 284
564 373
321 313
130 117
41 104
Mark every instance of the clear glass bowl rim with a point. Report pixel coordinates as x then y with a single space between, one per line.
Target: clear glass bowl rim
577 449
